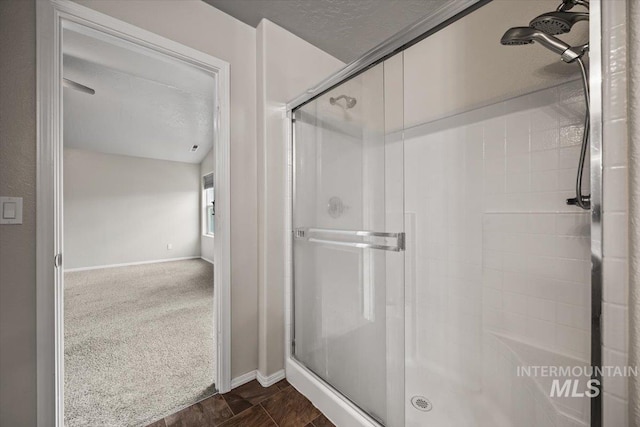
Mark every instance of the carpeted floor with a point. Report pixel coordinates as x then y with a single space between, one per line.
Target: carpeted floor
139 342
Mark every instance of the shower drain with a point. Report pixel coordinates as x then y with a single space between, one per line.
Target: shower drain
421 403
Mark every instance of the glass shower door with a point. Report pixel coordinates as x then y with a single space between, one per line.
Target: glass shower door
349 240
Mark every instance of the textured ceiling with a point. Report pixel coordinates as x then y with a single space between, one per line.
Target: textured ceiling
345 29
145 104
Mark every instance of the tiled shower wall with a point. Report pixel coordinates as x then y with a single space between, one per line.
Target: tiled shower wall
615 208
496 247
536 279
536 248
517 180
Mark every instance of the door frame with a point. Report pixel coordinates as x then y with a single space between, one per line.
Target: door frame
50 15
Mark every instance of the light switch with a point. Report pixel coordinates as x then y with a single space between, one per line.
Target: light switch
11 210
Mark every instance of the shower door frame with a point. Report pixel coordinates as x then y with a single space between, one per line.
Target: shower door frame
336 406
596 141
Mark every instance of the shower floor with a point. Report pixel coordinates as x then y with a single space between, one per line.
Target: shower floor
452 405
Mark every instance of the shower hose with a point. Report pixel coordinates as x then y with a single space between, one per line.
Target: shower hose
581 200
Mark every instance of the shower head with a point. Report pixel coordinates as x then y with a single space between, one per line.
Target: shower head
558 22
526 35
517 36
351 102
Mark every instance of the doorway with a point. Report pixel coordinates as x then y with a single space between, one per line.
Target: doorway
138 291
129 271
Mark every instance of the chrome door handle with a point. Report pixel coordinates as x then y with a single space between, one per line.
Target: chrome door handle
322 235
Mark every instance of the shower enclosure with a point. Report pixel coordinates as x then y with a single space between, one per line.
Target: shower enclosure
434 255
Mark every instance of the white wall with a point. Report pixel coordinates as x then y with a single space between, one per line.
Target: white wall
122 209
206 242
286 66
202 27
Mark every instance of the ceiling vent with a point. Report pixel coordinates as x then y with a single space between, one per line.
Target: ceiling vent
194 148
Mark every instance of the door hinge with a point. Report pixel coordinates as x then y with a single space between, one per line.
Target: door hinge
57 260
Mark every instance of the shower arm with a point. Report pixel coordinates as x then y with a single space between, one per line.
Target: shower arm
575 53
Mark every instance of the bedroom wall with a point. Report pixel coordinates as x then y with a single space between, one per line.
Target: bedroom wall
122 209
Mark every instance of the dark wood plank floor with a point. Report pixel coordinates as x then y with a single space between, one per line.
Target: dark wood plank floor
250 405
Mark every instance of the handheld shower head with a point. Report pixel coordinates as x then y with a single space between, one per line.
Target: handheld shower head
517 36
558 22
526 35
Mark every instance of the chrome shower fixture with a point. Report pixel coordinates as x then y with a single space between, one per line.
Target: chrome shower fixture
351 102
542 30
518 36
558 22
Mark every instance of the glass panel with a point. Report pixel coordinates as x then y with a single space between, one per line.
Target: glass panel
497 264
349 298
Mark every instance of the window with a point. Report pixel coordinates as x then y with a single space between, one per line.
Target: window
209 201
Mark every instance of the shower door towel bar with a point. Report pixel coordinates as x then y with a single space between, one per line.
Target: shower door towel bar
323 235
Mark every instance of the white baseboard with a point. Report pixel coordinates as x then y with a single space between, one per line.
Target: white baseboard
243 379
271 379
265 381
127 264
207 259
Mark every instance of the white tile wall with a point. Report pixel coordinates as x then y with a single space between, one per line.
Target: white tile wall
497 248
536 249
615 208
538 288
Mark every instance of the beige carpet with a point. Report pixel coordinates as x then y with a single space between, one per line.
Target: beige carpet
139 342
